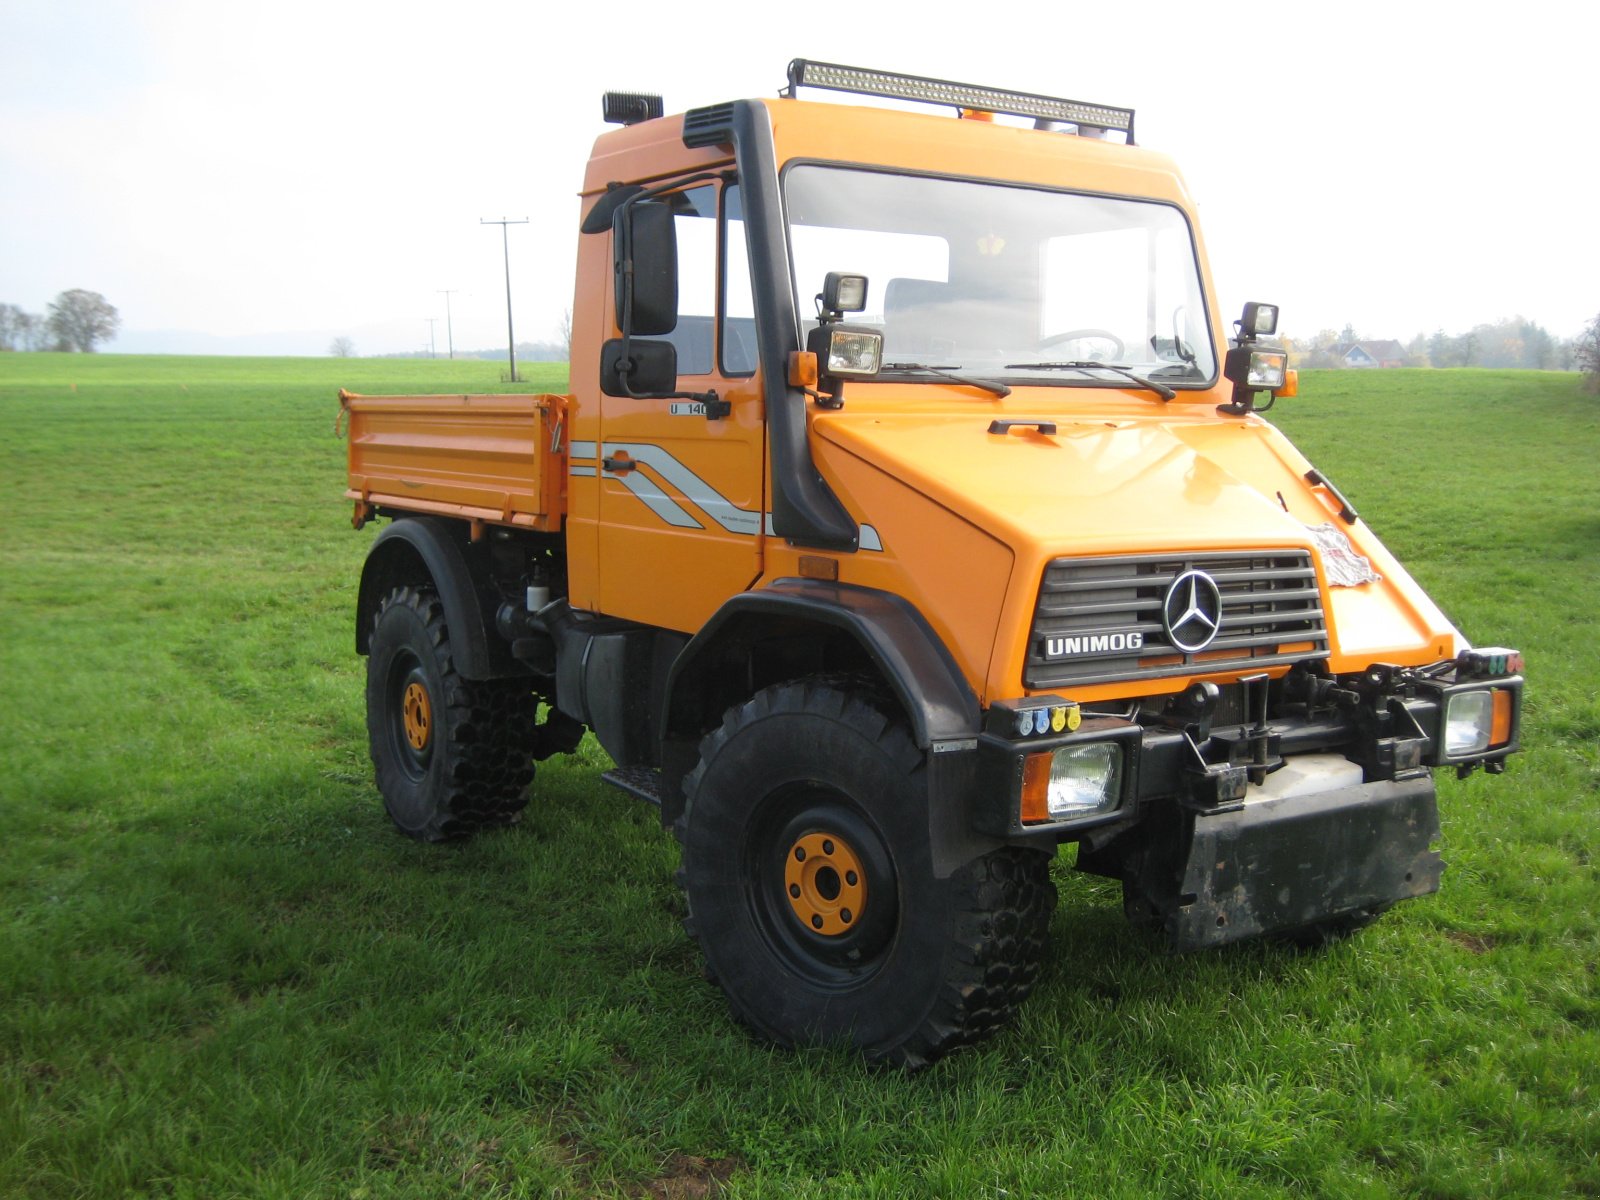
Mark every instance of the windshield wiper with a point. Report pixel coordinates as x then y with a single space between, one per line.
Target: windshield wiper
1159 389
988 385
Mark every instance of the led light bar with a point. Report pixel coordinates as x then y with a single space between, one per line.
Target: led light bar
890 85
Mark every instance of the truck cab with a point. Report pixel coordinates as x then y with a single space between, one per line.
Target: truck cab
911 515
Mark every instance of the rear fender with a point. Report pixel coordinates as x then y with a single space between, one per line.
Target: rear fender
430 552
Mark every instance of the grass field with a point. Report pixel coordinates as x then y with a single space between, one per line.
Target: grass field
222 974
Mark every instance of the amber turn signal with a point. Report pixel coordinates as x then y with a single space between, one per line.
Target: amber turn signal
1036 788
1500 721
802 369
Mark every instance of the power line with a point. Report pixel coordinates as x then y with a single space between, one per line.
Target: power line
505 247
449 330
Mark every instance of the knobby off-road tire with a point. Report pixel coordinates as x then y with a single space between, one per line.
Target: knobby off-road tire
451 755
810 886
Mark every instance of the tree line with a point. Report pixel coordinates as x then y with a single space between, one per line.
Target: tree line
1514 342
77 320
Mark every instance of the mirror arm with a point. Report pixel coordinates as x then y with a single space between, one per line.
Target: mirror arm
716 407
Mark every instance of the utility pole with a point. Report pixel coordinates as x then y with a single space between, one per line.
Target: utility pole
505 247
449 330
432 351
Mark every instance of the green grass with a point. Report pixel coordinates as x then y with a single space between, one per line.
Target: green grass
222 974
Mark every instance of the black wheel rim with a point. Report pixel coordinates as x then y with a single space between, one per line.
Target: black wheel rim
804 846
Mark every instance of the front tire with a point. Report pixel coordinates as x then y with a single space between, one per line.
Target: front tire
450 755
808 874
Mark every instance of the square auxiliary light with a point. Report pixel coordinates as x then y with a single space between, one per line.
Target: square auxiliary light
1267 368
843 293
851 353
1260 320
1252 368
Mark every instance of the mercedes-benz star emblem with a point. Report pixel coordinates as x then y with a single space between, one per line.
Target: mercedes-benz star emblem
1192 611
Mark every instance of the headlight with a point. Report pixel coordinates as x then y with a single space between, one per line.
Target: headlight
853 353
1267 368
1082 780
846 352
1257 368
1468 719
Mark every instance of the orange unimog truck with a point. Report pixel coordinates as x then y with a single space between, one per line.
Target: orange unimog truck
909 517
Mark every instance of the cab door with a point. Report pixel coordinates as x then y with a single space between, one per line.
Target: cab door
681 518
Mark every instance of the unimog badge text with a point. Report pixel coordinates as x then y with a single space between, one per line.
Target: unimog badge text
1096 643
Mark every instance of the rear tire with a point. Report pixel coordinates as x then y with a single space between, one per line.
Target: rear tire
450 755
808 874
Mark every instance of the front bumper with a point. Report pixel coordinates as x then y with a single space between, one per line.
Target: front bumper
1201 822
1281 865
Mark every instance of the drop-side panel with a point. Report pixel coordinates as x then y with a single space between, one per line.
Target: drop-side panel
500 459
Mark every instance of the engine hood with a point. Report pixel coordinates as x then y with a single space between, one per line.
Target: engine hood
1172 481
1093 486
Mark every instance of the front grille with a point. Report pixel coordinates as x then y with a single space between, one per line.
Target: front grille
1089 608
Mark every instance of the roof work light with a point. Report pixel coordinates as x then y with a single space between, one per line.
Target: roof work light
964 97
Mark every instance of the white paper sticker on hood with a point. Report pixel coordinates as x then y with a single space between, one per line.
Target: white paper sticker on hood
1340 562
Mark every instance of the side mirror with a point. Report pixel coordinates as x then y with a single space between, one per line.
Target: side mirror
645 248
650 368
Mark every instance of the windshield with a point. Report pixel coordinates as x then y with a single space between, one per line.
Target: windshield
1003 281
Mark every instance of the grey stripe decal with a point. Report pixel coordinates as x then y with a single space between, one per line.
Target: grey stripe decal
712 502
663 505
868 539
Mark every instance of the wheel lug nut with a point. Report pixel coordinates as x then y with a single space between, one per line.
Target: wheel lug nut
794 890
799 854
846 916
816 922
851 878
827 846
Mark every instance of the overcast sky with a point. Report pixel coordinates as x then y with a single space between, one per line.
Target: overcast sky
245 176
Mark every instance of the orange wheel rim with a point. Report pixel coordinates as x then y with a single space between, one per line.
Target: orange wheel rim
418 712
826 887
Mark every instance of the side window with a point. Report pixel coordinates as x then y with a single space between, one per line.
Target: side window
695 218
738 301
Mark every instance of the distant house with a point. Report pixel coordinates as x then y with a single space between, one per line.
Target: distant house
1369 354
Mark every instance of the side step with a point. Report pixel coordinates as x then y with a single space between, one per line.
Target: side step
643 783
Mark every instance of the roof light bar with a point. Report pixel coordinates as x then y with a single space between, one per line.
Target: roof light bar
890 85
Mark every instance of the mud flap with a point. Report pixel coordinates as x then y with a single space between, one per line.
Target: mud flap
1282 864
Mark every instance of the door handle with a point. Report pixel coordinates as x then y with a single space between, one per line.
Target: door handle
618 466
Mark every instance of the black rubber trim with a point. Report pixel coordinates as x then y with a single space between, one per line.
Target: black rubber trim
804 508
468 602
939 705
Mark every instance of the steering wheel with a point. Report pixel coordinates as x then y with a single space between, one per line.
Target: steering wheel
1081 335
